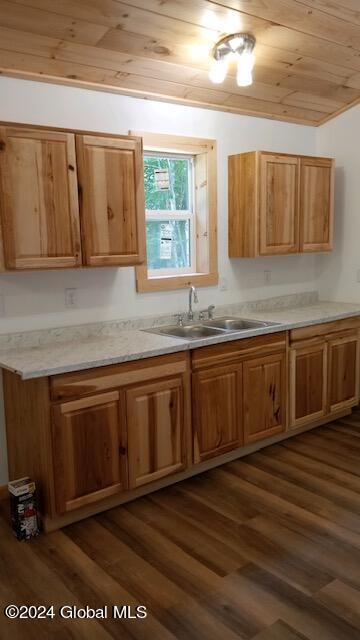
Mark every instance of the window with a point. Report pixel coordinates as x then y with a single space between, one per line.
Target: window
170 219
180 204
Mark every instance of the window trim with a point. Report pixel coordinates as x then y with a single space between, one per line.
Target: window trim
204 152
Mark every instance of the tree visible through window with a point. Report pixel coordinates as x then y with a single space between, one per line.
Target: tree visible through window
170 219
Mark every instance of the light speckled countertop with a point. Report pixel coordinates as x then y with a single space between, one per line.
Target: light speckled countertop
84 352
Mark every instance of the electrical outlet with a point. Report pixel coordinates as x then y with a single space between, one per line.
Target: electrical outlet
70 298
223 284
267 277
2 305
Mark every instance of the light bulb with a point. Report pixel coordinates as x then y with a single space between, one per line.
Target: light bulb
218 71
244 69
236 42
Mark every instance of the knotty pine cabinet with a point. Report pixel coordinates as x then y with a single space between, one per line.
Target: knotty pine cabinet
217 411
97 438
70 199
343 378
158 443
112 205
239 394
324 370
96 435
39 199
316 208
264 393
88 439
308 382
279 204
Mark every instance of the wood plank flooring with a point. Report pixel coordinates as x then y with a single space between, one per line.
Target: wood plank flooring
263 548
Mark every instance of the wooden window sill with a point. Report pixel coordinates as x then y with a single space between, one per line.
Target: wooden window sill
167 283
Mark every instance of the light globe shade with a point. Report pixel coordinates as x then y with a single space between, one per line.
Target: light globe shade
218 71
244 69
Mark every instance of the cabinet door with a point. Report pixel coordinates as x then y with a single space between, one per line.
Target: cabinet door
264 397
88 450
157 425
112 206
279 207
316 204
38 199
308 383
217 411
343 372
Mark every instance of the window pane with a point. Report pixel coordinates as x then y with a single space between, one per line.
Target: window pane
176 197
168 244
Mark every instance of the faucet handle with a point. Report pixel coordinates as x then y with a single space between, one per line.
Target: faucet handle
209 311
180 319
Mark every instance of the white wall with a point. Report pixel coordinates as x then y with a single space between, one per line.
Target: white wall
36 300
337 271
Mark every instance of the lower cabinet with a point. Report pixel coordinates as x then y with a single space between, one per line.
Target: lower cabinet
324 374
88 436
108 442
264 397
238 394
308 383
217 411
88 450
343 383
157 431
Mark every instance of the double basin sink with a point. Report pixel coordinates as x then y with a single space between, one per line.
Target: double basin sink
210 328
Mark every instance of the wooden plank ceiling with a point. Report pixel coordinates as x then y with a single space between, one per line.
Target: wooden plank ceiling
307 54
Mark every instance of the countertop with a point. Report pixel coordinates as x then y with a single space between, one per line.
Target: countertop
124 345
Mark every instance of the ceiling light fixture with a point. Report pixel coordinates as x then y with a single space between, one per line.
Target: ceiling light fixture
239 48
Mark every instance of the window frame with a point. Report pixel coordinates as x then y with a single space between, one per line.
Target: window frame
205 160
176 214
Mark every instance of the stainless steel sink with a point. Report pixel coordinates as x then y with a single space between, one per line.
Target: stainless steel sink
189 332
209 328
237 324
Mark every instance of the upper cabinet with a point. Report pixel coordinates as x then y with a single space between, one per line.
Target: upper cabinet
279 204
41 173
111 180
39 199
316 204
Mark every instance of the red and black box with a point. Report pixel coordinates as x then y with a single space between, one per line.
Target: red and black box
23 507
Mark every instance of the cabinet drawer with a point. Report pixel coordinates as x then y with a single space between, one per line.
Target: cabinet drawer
231 351
314 331
82 383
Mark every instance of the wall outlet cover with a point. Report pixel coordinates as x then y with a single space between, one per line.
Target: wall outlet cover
267 277
70 298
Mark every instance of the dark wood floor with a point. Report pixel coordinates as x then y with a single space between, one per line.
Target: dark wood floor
264 548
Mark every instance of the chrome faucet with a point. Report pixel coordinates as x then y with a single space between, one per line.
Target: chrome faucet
192 294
